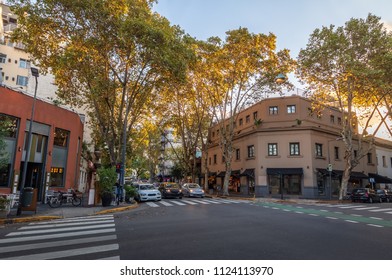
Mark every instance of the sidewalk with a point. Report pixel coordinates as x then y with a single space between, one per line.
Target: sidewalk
44 212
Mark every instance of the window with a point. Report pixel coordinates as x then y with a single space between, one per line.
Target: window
247 119
294 149
215 157
251 151
23 63
237 154
241 121
336 152
60 137
57 177
3 58
273 110
22 81
369 158
255 115
339 121
319 150
384 161
332 118
209 160
213 134
290 109
272 149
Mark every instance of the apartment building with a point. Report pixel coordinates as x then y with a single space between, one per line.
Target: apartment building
286 147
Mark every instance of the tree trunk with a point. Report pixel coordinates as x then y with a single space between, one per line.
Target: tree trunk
227 180
345 178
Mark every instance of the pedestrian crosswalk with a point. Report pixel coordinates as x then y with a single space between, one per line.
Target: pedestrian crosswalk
92 237
202 201
358 207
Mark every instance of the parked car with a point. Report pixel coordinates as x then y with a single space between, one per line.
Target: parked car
192 190
365 195
384 195
170 190
146 192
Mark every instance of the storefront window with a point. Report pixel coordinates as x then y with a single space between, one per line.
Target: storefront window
56 176
8 131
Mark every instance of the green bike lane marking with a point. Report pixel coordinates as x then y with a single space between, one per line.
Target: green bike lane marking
376 222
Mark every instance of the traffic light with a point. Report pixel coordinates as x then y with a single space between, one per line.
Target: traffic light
118 168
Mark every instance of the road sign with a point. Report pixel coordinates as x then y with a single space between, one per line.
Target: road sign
329 168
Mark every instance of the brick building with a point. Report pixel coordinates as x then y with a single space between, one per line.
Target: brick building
55 153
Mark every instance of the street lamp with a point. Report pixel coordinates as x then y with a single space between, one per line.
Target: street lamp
280 78
34 73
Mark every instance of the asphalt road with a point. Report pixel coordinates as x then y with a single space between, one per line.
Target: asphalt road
253 231
210 229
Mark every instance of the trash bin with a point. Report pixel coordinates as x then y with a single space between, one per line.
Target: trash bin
27 197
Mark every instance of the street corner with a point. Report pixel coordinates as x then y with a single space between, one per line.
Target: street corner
117 209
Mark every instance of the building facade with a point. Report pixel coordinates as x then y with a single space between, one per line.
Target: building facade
286 147
383 178
55 152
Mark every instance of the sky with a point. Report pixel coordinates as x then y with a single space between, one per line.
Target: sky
292 21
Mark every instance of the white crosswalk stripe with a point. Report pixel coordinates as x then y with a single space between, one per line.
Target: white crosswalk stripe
360 207
381 210
90 237
178 203
199 201
189 202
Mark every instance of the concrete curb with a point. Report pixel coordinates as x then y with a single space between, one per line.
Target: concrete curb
118 209
48 217
27 219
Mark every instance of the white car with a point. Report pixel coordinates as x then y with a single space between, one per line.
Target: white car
147 192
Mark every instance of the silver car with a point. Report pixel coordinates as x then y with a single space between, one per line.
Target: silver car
192 190
146 192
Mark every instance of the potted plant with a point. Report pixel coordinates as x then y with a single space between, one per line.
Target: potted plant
130 193
4 207
107 180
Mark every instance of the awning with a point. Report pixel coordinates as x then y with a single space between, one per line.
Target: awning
284 171
248 173
339 173
233 173
353 175
380 179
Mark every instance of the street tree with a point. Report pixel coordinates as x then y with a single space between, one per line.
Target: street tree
348 65
187 111
108 56
240 68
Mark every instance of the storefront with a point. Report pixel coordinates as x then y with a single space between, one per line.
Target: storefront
284 181
55 148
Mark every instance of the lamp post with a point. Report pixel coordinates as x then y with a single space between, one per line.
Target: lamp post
34 73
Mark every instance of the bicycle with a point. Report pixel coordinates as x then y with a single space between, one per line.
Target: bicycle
59 198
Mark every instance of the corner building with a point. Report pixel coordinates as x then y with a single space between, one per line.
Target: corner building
55 153
284 147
